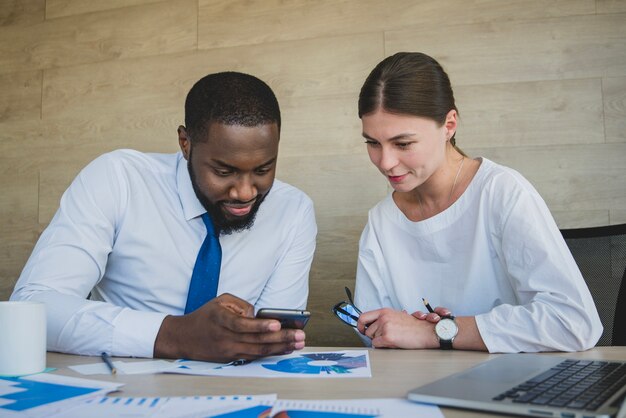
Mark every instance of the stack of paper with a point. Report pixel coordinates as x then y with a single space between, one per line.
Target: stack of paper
43 395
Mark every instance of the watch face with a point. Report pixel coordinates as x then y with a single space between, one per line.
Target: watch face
446 329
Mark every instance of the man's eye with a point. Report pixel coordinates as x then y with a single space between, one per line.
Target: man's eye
371 143
403 145
223 173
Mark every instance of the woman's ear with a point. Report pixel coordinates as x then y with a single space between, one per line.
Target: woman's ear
451 123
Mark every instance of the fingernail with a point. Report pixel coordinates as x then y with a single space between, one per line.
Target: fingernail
436 316
300 336
274 326
299 345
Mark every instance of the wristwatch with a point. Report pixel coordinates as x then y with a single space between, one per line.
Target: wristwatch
446 330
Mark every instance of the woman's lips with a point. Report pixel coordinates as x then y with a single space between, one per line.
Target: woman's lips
396 179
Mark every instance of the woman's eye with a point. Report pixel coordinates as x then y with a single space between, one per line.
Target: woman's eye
403 145
371 143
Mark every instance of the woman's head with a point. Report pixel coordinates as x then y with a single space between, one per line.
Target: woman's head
409 83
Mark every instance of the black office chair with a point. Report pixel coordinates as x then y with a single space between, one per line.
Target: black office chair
600 253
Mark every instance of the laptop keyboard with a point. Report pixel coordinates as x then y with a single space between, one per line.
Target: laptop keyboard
571 384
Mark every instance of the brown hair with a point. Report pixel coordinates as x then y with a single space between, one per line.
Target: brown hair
409 83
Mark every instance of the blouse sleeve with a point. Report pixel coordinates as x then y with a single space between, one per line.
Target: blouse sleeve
554 311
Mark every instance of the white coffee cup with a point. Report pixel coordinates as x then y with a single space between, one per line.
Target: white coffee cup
22 338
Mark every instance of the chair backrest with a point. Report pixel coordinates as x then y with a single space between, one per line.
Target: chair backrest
600 253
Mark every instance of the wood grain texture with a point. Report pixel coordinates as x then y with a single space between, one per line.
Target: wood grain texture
161 82
617 216
614 94
229 23
570 177
61 8
527 50
321 125
21 95
574 219
153 29
21 12
611 6
531 113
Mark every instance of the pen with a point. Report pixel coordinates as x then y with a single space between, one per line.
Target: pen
239 362
430 309
108 362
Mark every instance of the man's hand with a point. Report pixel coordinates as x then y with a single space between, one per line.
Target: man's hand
222 330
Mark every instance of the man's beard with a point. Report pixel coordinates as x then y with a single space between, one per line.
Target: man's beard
222 224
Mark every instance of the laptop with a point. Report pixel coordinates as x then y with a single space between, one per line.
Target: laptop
533 385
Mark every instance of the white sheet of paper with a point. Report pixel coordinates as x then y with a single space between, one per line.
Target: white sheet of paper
204 406
360 408
322 364
47 394
173 407
125 367
144 367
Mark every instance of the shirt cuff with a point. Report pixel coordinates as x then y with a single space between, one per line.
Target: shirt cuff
135 333
482 322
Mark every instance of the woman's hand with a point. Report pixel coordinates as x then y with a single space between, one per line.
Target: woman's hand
433 317
398 329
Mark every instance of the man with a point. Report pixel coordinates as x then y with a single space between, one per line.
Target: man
133 228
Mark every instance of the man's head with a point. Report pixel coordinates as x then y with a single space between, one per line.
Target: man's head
231 145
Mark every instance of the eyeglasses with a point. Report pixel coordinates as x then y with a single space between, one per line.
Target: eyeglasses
347 312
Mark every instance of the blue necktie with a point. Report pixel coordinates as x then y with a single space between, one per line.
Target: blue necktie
206 272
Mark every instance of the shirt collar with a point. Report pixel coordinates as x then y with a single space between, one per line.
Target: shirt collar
192 208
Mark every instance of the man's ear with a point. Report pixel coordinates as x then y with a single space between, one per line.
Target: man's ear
184 142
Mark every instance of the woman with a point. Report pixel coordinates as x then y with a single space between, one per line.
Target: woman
467 234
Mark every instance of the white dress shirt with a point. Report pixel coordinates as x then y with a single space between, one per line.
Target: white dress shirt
128 230
495 254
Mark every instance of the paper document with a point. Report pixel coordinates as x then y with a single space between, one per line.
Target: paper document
354 408
43 395
173 407
335 364
125 367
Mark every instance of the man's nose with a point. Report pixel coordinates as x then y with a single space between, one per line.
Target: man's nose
243 190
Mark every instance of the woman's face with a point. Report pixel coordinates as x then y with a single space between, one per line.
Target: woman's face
406 149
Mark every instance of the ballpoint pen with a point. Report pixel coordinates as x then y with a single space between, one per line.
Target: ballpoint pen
107 360
239 362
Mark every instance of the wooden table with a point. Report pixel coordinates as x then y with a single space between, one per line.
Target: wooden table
394 373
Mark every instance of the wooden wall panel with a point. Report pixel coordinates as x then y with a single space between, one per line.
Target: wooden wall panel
21 12
574 219
157 28
21 95
161 82
229 23
611 6
61 8
614 94
531 113
528 50
570 177
341 185
617 217
321 125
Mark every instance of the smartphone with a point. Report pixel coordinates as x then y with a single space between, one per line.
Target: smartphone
288 318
